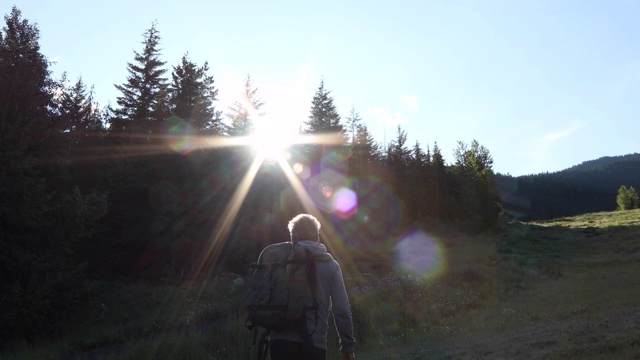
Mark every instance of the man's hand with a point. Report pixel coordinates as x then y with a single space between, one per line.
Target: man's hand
348 356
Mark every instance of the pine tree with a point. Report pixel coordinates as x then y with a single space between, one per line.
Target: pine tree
25 86
143 98
437 160
475 195
398 155
243 114
439 187
353 121
324 117
627 198
77 114
323 120
365 147
192 96
419 158
38 227
474 162
365 152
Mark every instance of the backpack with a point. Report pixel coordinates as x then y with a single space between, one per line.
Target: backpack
278 282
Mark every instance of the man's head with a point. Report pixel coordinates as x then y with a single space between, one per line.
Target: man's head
304 227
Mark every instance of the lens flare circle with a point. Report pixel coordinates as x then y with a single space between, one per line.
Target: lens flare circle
345 203
180 135
367 213
420 254
323 186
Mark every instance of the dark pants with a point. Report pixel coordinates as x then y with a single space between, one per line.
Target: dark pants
291 350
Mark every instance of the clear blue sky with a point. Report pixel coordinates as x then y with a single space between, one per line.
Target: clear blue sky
544 85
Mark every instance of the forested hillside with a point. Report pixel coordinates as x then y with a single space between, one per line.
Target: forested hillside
164 186
589 187
603 162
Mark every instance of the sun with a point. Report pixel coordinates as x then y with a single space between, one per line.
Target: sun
271 139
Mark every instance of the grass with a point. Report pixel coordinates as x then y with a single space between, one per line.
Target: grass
560 289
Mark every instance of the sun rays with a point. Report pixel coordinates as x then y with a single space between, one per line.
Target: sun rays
357 213
269 143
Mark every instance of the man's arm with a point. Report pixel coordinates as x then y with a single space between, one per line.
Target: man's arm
342 314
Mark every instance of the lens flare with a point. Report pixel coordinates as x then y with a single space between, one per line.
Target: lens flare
326 190
302 171
345 203
420 254
367 213
322 188
180 135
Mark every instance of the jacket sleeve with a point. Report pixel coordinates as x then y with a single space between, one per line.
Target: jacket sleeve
342 312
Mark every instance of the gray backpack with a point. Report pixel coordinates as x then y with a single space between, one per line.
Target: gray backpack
277 285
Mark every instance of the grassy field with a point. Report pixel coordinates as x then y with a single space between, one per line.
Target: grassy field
569 290
561 289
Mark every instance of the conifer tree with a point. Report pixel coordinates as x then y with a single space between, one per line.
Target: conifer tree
437 160
77 114
398 155
627 198
25 85
474 161
192 96
353 121
419 158
475 194
243 114
324 117
38 227
438 186
365 152
143 100
365 147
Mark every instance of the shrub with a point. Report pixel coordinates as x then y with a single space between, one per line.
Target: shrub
627 198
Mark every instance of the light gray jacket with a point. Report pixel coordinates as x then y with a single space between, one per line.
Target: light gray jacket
332 295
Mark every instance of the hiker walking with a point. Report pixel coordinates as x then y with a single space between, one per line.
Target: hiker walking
304 260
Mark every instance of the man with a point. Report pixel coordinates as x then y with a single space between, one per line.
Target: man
304 230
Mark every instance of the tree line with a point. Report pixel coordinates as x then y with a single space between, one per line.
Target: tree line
128 192
592 186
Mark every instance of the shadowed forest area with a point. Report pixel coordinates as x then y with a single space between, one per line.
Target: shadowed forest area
125 230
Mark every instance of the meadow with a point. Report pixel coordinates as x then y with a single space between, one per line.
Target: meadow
559 289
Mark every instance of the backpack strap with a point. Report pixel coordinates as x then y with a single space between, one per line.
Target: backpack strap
313 286
313 281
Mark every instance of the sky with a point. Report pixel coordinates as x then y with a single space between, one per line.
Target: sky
543 85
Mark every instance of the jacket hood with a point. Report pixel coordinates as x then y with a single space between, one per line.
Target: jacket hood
318 250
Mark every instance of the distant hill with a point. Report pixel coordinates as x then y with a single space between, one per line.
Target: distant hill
603 162
589 187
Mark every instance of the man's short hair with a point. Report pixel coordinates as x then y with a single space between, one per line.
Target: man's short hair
304 227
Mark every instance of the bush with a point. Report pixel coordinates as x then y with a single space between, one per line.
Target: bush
627 198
